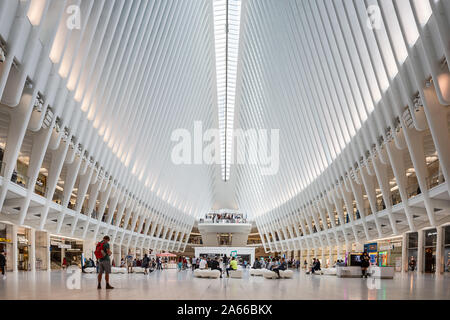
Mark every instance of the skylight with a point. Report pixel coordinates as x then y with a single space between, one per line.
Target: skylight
227 14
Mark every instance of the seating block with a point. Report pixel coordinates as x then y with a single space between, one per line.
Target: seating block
138 270
236 274
118 270
329 271
256 272
348 272
286 274
269 274
381 272
206 273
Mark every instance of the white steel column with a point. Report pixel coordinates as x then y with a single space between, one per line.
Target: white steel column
49 267
404 253
439 251
33 249
15 251
420 252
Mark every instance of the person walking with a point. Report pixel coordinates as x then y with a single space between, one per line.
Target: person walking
103 253
3 263
145 263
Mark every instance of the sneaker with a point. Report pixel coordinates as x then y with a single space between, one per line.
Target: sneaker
4 277
108 286
99 286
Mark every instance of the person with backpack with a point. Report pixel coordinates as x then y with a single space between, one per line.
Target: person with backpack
102 253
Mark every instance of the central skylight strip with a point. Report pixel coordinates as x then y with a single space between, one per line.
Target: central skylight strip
227 14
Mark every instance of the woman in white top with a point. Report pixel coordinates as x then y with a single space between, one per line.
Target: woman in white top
202 263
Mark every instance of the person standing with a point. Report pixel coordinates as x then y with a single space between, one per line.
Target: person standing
194 262
145 263
104 262
365 263
3 263
129 263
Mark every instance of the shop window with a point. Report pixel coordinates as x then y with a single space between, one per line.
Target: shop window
430 238
413 240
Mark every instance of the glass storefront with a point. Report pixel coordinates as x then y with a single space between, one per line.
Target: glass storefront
65 252
23 249
430 237
6 243
447 248
413 245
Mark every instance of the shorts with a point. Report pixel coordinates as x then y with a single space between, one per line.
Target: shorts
104 267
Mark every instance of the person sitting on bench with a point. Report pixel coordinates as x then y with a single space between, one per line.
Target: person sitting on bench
282 266
215 265
233 266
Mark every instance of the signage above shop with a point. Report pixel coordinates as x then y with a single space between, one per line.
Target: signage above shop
64 246
5 240
387 247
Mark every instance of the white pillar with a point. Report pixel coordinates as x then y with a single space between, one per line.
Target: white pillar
49 267
439 251
15 251
404 253
420 253
33 249
331 256
63 254
339 253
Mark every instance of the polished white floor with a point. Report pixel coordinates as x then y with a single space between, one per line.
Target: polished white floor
173 285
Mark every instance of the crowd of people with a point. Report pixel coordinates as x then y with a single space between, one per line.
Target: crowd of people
225 218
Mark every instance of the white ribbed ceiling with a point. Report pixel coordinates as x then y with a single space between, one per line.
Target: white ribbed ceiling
139 70
317 71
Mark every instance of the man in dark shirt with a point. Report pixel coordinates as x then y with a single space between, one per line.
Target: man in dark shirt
282 266
214 264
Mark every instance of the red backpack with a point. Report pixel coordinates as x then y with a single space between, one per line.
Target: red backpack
99 250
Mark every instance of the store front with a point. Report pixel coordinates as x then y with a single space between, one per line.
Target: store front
430 237
413 246
6 244
23 249
447 248
65 252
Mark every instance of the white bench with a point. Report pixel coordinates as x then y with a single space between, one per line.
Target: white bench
236 274
118 270
329 271
381 272
138 270
90 270
348 272
205 273
285 274
256 272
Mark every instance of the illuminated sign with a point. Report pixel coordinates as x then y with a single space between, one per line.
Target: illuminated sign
4 240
